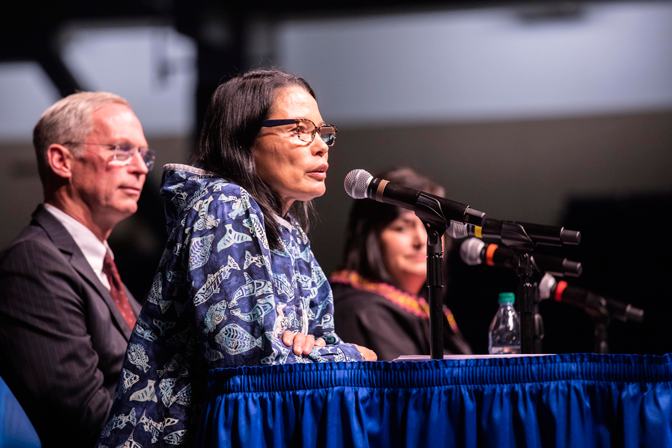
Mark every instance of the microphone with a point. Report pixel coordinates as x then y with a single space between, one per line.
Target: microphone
592 303
359 184
522 234
516 234
474 252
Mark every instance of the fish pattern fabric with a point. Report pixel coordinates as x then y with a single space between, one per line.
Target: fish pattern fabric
220 298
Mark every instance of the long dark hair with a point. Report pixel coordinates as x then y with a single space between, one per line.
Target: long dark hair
367 220
231 125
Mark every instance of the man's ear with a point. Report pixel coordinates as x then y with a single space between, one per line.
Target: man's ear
60 160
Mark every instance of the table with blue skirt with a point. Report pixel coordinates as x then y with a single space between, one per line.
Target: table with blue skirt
539 401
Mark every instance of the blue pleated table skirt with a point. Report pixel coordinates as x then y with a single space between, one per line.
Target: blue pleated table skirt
547 401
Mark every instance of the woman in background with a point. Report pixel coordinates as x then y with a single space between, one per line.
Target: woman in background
380 295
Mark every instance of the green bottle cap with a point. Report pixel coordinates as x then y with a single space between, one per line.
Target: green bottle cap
507 297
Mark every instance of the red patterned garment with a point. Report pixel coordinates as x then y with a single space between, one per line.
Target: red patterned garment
389 321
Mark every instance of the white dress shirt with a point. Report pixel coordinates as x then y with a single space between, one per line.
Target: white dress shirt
93 250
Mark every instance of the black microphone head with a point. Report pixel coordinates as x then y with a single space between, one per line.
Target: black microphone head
356 183
470 251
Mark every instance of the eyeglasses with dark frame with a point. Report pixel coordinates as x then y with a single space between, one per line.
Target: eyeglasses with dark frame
124 154
306 129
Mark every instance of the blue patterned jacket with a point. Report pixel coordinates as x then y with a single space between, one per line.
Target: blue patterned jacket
220 298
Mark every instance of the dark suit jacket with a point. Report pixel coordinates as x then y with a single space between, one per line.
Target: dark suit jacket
62 338
369 319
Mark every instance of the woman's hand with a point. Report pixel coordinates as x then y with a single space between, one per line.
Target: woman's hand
303 344
369 355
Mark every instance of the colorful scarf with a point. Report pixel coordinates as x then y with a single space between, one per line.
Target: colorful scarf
404 300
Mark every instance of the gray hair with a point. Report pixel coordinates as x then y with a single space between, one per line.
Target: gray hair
69 119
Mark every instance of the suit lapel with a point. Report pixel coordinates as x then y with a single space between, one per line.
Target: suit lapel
64 242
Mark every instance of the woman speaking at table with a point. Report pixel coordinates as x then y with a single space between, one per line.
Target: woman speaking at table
237 284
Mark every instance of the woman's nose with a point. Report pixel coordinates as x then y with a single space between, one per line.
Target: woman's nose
419 235
319 148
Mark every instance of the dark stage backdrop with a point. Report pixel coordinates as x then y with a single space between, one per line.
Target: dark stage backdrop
608 176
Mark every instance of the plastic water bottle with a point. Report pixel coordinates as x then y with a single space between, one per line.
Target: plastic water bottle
504 334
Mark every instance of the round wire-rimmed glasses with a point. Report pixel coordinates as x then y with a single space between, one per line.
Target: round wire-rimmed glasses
123 154
306 129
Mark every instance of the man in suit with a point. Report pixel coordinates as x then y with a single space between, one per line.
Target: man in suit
65 316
